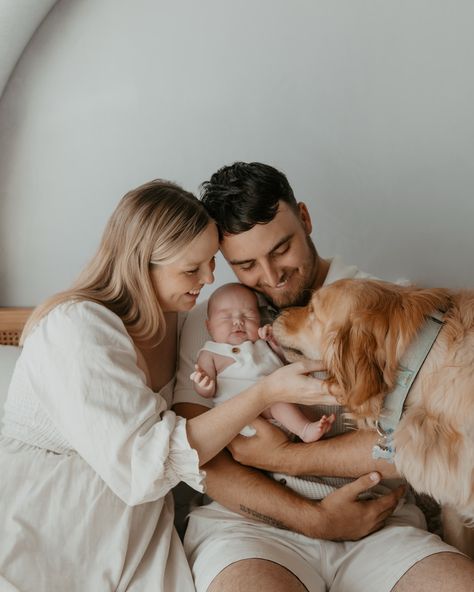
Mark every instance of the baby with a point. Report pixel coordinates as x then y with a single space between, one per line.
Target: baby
242 352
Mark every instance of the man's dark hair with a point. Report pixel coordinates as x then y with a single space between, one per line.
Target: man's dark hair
241 195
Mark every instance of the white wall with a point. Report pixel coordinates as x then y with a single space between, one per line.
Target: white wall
367 106
18 23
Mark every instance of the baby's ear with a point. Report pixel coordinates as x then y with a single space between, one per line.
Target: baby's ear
207 325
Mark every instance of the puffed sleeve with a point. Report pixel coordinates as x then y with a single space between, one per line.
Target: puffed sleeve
193 336
89 384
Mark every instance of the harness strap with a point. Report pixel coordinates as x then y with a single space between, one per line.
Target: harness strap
409 367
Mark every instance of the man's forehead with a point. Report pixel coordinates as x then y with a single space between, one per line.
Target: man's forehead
262 238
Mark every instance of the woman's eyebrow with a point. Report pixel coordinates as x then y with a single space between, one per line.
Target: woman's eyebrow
285 239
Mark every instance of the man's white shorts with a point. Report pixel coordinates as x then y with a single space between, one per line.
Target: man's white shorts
216 538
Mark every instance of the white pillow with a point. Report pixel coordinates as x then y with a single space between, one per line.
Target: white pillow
8 357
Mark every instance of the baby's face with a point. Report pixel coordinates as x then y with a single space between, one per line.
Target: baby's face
234 317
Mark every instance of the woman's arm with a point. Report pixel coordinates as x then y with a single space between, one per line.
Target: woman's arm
88 381
211 432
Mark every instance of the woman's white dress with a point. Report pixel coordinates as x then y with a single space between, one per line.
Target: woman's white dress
88 455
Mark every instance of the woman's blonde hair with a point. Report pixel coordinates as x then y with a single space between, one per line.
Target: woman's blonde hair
151 225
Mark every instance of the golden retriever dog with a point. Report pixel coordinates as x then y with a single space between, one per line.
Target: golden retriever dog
361 329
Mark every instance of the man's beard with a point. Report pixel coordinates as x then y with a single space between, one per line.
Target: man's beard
303 286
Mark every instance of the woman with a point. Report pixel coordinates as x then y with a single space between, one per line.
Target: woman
89 448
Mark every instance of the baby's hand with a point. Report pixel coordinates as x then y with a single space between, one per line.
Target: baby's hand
266 333
202 379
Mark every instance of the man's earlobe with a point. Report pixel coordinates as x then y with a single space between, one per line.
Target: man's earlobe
305 217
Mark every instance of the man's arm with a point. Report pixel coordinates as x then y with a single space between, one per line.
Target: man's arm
346 455
249 492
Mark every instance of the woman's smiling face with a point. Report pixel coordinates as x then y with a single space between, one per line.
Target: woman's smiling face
177 285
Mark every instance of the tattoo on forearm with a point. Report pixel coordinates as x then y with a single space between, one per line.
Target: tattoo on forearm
262 518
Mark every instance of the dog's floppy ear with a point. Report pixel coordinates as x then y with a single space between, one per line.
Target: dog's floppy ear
362 355
356 362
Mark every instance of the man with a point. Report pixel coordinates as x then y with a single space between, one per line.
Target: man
258 533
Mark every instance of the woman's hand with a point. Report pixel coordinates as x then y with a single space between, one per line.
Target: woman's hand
294 384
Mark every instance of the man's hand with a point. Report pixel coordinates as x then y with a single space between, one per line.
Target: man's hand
262 451
344 517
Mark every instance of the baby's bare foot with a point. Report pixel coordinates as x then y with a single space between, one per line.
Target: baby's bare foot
315 430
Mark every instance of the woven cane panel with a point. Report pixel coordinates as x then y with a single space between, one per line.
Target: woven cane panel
9 337
12 321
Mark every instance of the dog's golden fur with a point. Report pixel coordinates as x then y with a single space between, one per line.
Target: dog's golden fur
361 328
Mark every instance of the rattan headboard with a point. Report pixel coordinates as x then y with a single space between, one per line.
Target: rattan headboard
12 321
